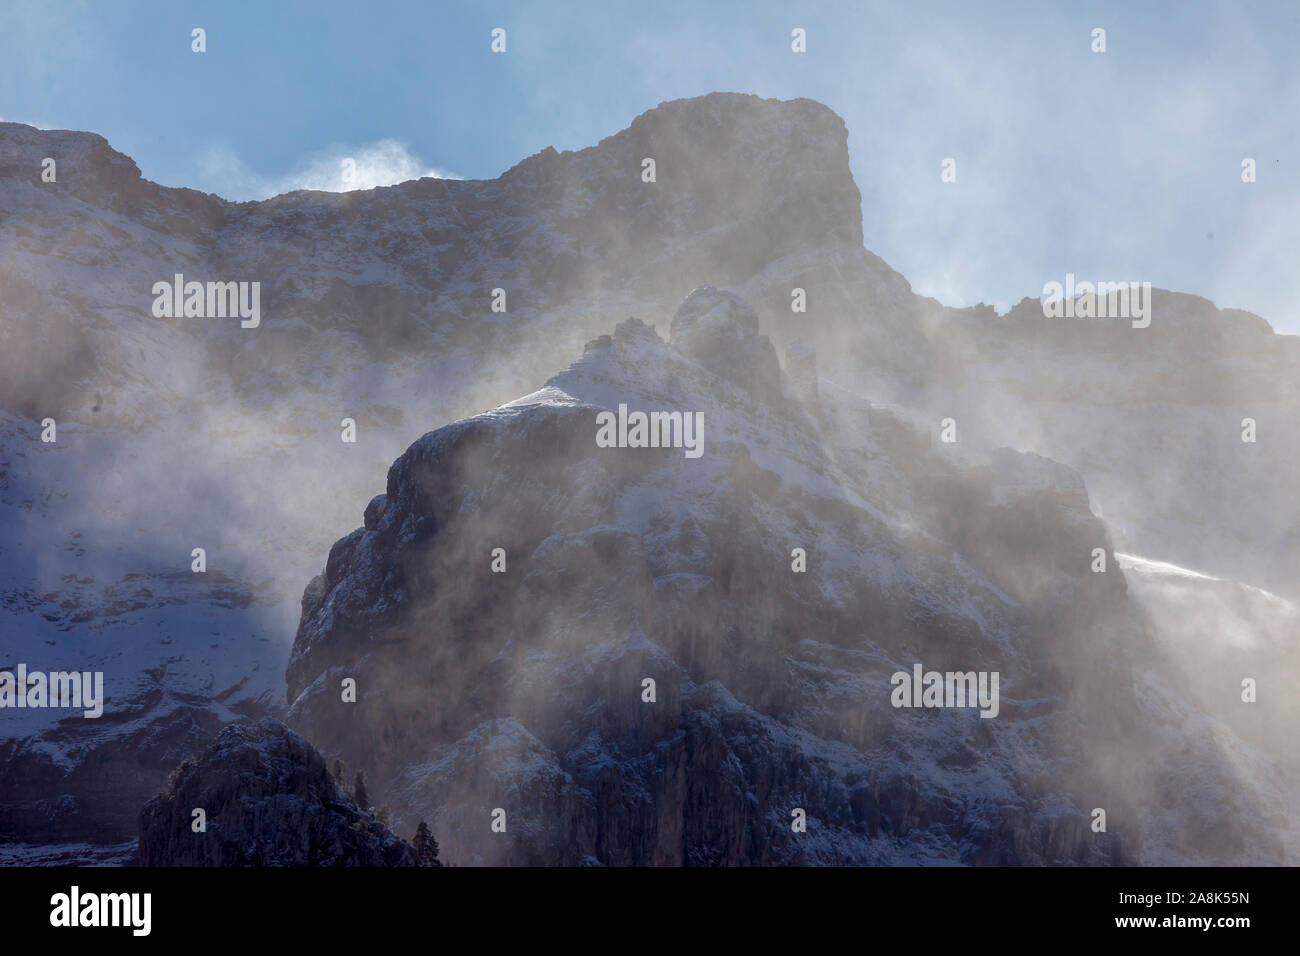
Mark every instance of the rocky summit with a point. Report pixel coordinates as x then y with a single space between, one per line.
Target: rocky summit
648 678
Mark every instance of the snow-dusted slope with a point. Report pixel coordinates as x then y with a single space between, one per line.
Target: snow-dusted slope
376 307
95 579
522 690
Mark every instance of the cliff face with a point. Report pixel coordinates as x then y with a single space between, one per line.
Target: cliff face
182 433
524 689
740 182
268 800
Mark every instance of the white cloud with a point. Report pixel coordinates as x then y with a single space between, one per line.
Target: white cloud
336 170
28 122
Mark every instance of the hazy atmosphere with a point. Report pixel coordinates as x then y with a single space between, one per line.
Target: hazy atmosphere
690 435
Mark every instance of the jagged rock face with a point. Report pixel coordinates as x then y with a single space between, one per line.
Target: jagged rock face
400 272
523 690
269 801
1153 418
719 330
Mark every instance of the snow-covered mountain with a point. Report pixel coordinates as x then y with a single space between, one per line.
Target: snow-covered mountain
522 689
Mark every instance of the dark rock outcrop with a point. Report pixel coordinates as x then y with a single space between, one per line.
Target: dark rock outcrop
269 800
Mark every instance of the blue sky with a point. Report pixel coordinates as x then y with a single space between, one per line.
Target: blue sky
1123 165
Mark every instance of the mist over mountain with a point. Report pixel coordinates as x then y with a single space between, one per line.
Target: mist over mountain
827 430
